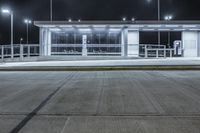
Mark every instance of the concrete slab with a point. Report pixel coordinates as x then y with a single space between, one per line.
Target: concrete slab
132 125
45 124
23 92
9 122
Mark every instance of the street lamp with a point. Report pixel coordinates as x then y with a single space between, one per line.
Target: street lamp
168 18
27 22
7 11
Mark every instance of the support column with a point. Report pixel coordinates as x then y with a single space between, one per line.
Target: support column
190 43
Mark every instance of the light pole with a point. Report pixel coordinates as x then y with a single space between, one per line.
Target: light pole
51 10
158 18
7 11
27 22
168 18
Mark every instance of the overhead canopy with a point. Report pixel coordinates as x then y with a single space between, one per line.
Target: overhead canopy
132 25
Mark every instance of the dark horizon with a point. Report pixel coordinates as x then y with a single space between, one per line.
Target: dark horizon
88 10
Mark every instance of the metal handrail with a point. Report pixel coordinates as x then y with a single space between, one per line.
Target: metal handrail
20 50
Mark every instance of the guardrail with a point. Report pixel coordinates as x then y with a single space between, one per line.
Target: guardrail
19 51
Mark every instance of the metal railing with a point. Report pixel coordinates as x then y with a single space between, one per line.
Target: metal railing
159 51
143 47
19 51
92 49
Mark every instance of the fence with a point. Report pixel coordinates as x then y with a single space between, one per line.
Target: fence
19 51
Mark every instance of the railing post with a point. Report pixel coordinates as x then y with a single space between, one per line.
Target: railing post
29 50
170 53
21 52
165 52
157 53
2 52
146 52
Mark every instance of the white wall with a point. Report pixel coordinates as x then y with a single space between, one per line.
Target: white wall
190 43
133 44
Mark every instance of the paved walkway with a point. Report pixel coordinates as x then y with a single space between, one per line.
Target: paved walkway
100 102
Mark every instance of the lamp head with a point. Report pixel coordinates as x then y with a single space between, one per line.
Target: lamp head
27 21
6 11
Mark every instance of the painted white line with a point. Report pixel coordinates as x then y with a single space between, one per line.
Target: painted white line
66 123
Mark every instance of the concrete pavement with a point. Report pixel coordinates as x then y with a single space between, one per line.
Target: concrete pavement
100 102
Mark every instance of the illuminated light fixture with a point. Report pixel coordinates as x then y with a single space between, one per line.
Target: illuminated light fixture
124 19
164 29
179 29
69 20
27 21
84 30
154 26
148 29
114 30
168 17
133 19
55 29
137 26
99 26
171 26
82 26
195 29
189 26
134 29
65 26
7 11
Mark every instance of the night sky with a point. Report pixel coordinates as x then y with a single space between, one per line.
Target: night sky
89 10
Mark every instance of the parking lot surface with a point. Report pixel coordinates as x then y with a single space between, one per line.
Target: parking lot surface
100 102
